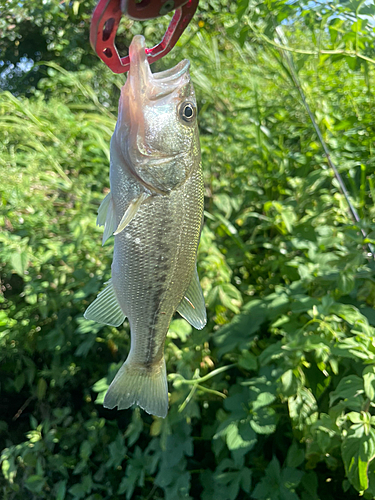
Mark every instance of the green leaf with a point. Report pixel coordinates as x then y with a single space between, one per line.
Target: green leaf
263 420
230 297
75 7
242 5
358 450
295 456
117 451
289 383
289 218
35 483
369 382
101 385
263 399
303 408
278 484
347 312
326 434
60 489
134 428
309 483
85 450
242 328
81 489
31 298
19 262
41 389
247 361
223 203
19 382
8 466
350 389
179 328
246 479
234 439
345 283
84 348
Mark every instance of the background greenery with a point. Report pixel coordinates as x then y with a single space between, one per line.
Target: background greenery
274 399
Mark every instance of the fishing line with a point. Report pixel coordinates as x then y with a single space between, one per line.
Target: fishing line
289 58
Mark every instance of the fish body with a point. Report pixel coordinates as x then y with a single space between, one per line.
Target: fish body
155 210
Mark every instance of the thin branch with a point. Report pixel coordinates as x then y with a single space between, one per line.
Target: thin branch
23 407
350 53
195 382
208 376
182 407
293 72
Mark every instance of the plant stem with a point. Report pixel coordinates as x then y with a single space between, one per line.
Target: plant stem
289 58
209 375
285 47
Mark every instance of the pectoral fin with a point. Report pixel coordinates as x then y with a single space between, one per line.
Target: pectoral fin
130 212
105 308
192 306
107 217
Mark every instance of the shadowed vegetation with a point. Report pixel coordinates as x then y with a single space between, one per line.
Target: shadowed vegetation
274 399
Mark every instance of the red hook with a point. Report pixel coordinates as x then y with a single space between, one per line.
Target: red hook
106 18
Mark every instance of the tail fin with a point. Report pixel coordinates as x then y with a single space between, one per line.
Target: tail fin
145 386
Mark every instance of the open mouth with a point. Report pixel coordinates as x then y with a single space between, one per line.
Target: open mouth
173 73
143 81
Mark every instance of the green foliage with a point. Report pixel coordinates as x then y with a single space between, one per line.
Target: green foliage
37 32
274 399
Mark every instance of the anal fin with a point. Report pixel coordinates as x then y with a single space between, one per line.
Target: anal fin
105 308
192 306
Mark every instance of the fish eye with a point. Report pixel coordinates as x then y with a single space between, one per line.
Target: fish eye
187 111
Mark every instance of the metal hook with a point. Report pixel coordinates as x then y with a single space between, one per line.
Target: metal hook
107 16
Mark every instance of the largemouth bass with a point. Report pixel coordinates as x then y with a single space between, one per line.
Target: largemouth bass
155 211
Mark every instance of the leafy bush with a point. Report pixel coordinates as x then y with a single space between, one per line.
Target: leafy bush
274 398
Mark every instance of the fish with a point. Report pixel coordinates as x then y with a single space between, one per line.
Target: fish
155 211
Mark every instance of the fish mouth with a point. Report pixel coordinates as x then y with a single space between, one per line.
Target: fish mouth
173 73
144 83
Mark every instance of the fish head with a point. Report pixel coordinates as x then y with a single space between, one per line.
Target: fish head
156 131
